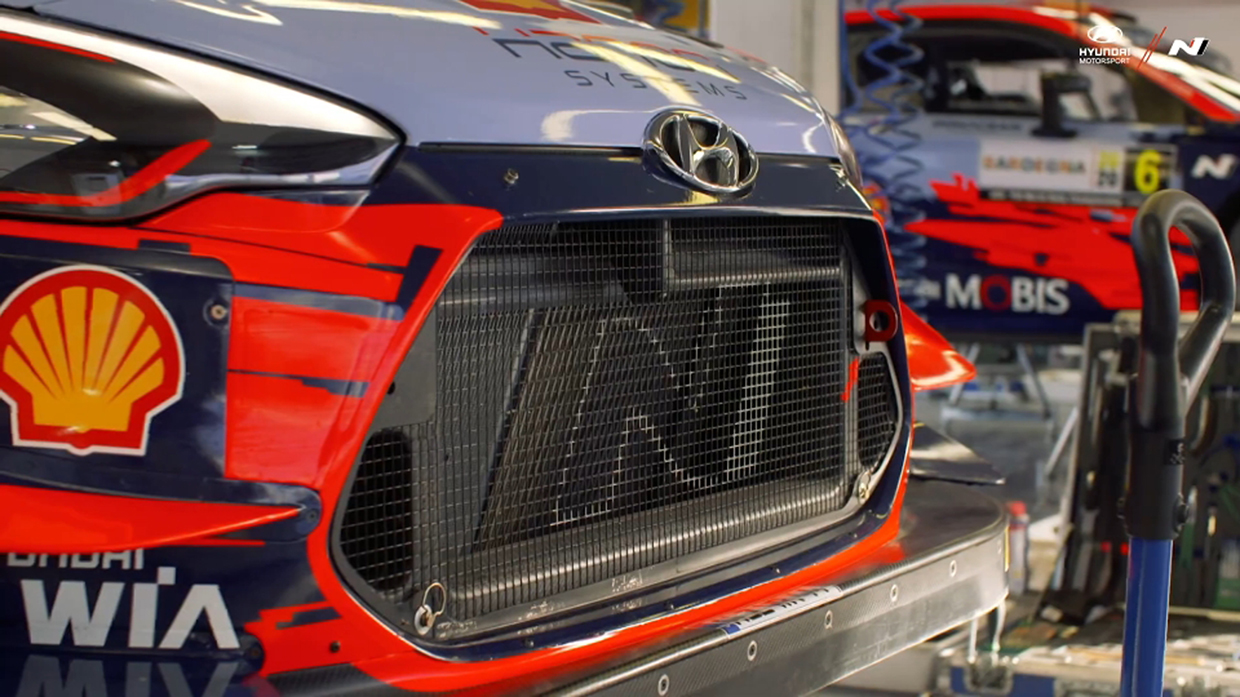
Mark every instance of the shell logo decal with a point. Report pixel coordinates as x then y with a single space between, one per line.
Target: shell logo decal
87 357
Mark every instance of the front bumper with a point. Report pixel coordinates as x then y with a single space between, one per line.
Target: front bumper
946 567
949 567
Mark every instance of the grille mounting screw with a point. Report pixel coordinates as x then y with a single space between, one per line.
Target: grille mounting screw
752 651
828 620
217 312
511 176
665 684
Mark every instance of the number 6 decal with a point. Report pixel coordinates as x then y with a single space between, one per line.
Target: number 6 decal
1148 171
1147 175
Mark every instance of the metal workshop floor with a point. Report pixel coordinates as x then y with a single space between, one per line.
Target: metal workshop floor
1012 436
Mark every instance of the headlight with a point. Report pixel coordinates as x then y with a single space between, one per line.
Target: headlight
848 156
98 128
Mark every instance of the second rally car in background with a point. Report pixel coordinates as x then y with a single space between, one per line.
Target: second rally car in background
1011 218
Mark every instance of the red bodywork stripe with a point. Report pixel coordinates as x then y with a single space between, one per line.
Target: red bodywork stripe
249 262
141 182
273 337
279 428
977 12
49 521
933 363
18 38
270 337
1016 236
854 373
365 235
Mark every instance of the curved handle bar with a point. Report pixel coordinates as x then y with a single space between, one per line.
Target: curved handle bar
1170 372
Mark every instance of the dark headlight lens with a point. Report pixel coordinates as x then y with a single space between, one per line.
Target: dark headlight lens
98 128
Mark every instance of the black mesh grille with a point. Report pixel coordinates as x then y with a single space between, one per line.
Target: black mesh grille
876 409
608 397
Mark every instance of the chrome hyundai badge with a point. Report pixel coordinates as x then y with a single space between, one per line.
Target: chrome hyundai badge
702 151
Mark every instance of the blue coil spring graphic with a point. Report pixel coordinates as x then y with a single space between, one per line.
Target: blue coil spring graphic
883 143
658 12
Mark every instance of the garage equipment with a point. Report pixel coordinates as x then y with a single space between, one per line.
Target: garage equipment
1170 371
1092 574
1080 643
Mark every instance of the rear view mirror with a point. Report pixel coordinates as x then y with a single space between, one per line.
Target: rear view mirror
1055 86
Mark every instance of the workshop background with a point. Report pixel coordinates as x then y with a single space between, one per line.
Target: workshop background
1039 407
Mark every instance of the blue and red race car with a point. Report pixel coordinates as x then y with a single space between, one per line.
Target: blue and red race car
465 346
1011 145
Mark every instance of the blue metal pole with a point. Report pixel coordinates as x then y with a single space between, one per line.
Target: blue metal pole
1145 621
1170 371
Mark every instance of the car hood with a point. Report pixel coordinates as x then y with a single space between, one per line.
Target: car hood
519 72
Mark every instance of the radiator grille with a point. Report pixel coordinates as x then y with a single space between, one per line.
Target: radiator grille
608 397
877 409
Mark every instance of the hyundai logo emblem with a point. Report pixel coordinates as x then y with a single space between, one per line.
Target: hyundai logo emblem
1105 34
702 151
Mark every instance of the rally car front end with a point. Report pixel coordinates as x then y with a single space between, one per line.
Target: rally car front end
324 380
